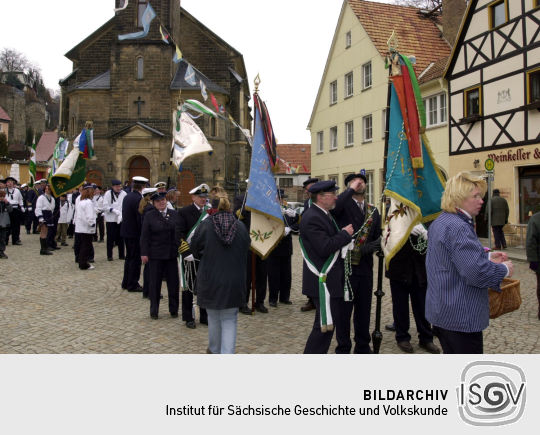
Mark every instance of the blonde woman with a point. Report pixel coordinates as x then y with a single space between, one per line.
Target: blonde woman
459 270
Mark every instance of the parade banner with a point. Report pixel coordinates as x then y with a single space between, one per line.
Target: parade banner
415 192
188 139
70 175
262 200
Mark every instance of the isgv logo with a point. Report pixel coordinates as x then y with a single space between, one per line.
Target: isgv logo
491 393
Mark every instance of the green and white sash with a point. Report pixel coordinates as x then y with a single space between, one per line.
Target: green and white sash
327 323
203 216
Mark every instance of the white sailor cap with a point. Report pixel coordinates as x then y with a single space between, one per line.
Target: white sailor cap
148 190
139 179
160 184
24 185
41 180
201 190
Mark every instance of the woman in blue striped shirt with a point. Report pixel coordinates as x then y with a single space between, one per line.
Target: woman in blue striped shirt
459 270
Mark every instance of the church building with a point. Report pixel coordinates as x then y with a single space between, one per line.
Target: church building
129 89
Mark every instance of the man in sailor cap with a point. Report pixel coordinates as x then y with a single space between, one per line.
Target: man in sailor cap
322 241
189 219
15 198
130 231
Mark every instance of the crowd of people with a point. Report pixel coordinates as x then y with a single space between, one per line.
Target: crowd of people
203 250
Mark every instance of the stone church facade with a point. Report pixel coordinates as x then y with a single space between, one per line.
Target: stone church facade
129 88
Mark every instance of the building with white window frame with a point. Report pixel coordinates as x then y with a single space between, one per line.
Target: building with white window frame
348 119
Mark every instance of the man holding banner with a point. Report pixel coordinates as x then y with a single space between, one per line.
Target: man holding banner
321 241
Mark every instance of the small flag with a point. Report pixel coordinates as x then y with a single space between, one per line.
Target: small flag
214 102
189 77
59 153
85 143
32 163
165 37
198 107
177 55
121 8
203 90
221 108
148 15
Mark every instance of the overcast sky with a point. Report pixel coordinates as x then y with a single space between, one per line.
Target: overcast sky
285 41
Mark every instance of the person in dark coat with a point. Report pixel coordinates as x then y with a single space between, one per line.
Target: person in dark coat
351 208
16 215
322 240
533 251
221 242
189 218
159 249
279 262
499 218
145 206
309 305
408 279
130 231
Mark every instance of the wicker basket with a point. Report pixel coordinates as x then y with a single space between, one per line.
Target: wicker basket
506 301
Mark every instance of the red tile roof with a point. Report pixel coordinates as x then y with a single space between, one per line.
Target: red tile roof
433 71
45 146
296 155
417 35
3 115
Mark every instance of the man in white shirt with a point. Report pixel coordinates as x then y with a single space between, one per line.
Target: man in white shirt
15 198
112 212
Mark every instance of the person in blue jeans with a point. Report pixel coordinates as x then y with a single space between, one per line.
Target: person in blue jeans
221 243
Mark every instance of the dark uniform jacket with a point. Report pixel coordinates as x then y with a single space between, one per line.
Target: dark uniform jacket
499 211
321 238
221 276
347 212
187 218
131 218
408 264
285 247
159 235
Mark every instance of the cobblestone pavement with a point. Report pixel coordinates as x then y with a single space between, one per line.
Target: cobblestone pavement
48 306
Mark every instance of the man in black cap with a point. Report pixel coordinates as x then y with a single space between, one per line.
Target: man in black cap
352 208
279 264
112 213
159 249
15 199
323 270
130 231
309 305
189 218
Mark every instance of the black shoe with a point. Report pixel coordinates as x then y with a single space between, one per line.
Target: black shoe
109 259
136 289
154 316
123 257
2 255
285 302
45 252
91 261
144 296
64 244
308 306
18 242
100 241
191 324
245 309
273 304
430 347
174 315
261 308
390 327
35 232
405 346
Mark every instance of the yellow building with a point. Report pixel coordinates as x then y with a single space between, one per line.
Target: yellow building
494 87
348 119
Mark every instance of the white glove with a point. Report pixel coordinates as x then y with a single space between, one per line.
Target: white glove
287 231
40 220
420 231
189 258
22 209
346 248
116 212
289 212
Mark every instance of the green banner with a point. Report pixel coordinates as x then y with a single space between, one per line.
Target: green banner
60 184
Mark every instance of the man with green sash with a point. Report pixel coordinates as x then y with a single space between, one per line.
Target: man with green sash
189 219
323 279
309 305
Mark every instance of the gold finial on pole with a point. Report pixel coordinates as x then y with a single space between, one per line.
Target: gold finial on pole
257 82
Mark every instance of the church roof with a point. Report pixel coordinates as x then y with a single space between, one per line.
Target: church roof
101 81
140 124
179 81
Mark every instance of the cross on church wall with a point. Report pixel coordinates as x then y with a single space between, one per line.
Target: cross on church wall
138 102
